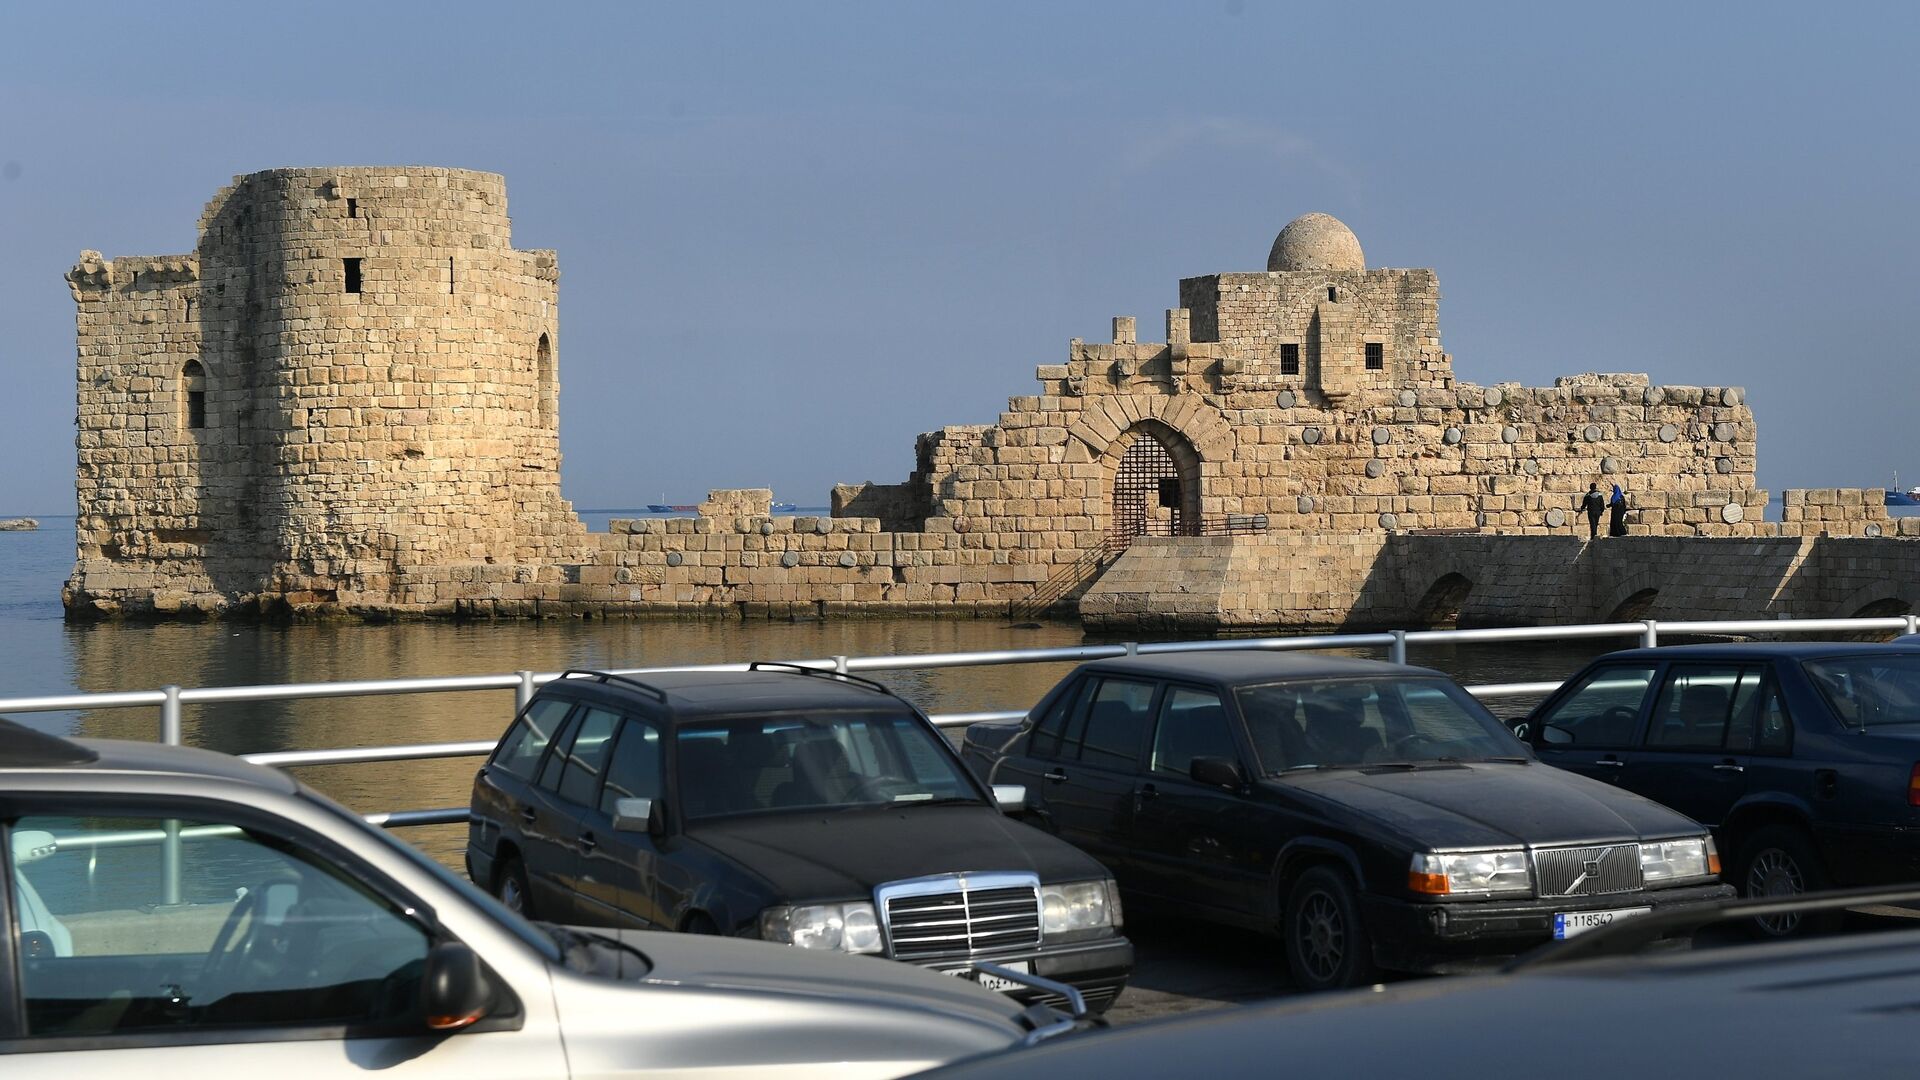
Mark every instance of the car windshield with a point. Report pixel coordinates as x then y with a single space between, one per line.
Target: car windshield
817 760
1346 722
1867 691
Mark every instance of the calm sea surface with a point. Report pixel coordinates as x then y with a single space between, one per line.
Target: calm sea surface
46 655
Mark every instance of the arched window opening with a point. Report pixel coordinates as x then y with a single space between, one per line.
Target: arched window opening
1884 608
549 387
1441 606
193 395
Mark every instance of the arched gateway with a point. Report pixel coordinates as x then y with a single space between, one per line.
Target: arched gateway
1156 485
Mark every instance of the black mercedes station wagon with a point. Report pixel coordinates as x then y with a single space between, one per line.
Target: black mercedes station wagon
787 804
1371 814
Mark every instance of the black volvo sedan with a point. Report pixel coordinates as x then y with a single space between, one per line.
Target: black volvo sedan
787 804
1373 815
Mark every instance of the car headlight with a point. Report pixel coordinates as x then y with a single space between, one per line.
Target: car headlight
1673 860
850 927
1079 909
1471 873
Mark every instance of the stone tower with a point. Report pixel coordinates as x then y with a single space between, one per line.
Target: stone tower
349 387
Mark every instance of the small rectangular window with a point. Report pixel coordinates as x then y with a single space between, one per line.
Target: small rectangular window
353 207
196 408
1376 356
1333 293
1289 359
352 269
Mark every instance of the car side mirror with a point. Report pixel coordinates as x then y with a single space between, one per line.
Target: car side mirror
1010 798
36 945
1556 736
636 815
1217 772
455 989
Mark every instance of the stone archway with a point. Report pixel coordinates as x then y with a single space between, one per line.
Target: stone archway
1634 608
1155 484
1440 607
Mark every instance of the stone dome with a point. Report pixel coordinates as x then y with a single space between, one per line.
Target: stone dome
1316 242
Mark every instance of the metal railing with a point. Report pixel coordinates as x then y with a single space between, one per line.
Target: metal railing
170 700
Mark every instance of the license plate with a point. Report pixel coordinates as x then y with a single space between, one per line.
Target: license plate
995 982
1568 924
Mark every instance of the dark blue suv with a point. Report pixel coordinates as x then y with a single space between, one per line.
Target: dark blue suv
1804 758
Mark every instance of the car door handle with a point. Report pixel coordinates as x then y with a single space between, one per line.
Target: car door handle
586 841
1145 792
527 814
1611 763
1728 766
1054 775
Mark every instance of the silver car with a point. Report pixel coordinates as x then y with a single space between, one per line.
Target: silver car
178 912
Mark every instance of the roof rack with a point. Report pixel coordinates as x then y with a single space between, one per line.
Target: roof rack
819 673
22 746
608 676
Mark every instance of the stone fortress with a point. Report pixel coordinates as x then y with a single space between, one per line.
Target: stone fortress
345 400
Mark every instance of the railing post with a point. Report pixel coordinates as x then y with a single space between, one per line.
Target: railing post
170 716
840 665
1133 648
170 847
1397 652
523 693
1650 636
1913 624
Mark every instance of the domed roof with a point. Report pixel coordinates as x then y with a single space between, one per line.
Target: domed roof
1316 242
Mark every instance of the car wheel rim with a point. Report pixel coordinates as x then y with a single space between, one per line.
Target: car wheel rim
1322 936
510 897
1774 873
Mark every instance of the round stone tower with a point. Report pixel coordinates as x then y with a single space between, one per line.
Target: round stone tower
372 396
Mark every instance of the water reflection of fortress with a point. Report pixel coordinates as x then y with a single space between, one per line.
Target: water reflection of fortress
345 399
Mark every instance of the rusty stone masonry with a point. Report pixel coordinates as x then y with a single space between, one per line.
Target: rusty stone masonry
345 400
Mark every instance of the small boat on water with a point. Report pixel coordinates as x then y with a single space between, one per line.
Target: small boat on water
1897 497
784 508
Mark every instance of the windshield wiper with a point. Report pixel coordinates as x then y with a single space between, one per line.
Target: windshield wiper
1508 760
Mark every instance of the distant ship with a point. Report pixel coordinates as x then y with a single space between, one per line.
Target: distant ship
1909 497
685 508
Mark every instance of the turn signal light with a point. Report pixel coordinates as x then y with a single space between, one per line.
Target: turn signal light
1426 884
1913 786
453 1023
1713 861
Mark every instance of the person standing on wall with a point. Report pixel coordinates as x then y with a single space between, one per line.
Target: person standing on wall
1593 503
1617 523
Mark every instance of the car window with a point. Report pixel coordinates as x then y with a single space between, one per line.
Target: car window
1695 704
1348 722
587 757
265 933
1117 721
527 739
556 762
1877 690
634 770
1193 723
1058 732
1775 726
1602 711
819 760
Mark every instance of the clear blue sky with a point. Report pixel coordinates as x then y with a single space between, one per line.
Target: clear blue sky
793 236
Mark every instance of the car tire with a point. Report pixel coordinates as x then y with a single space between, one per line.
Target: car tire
510 887
1327 946
1779 860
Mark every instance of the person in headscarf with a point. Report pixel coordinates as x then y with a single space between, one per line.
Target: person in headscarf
1617 513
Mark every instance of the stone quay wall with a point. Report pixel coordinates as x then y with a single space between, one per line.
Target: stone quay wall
1358 581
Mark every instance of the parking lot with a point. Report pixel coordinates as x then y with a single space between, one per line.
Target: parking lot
1186 968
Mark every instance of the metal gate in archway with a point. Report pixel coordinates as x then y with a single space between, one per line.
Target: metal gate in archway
1148 479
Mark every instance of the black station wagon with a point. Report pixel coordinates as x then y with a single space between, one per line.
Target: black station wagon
1371 814
791 805
1803 757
